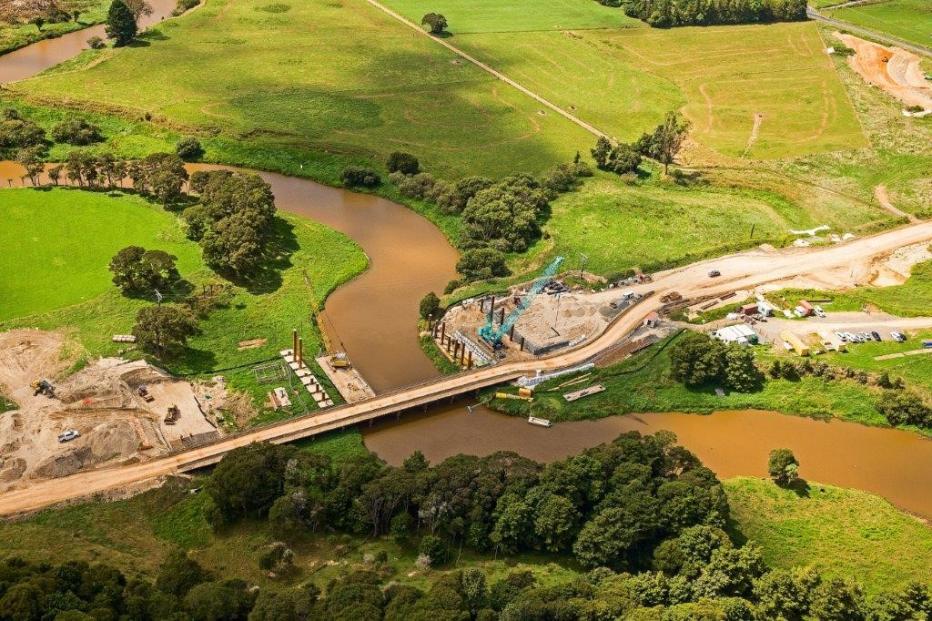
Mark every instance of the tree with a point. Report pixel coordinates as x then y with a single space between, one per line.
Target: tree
136 269
55 173
121 23
435 23
836 599
405 163
31 160
179 573
139 8
430 306
668 139
783 467
19 133
741 373
189 149
482 263
555 523
247 481
160 329
505 215
696 359
904 408
619 159
212 601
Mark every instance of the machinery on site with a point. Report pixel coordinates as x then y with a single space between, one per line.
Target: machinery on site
493 334
43 387
174 413
339 360
144 393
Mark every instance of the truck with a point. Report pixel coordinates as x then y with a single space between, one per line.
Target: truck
68 435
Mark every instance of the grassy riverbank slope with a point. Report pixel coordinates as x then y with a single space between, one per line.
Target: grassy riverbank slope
841 532
58 243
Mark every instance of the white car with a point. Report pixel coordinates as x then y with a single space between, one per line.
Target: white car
68 435
898 336
818 311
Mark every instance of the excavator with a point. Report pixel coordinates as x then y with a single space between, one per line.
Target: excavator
43 387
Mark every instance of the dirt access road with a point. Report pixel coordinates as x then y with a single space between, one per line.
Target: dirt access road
740 271
895 70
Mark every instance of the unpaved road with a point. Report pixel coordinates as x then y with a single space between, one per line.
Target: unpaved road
741 271
880 193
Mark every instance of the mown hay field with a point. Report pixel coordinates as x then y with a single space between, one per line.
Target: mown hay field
910 20
326 78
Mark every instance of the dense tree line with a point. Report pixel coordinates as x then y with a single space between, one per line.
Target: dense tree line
498 217
609 506
698 575
669 13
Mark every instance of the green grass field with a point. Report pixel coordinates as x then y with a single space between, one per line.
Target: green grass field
56 245
623 79
521 16
323 80
94 310
915 370
656 224
14 36
841 532
910 20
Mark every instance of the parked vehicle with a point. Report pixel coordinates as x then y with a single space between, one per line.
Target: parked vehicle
899 337
68 435
714 273
876 335
819 312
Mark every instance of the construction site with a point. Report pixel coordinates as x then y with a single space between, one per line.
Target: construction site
111 412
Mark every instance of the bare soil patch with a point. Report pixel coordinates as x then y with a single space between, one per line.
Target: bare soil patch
893 69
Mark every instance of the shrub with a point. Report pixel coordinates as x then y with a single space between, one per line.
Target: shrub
189 149
184 6
434 549
359 176
19 133
76 131
904 408
783 466
418 186
402 162
96 43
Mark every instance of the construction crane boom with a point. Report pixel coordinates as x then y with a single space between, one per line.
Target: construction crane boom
493 335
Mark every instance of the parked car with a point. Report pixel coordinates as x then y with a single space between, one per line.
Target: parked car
899 337
714 273
68 435
876 335
818 311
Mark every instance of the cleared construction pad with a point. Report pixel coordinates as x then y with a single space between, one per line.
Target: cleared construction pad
101 402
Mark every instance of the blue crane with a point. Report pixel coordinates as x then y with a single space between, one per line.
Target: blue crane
491 334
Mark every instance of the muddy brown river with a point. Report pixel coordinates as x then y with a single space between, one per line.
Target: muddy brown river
373 319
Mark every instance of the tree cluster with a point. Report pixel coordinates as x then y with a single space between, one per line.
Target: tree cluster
698 575
164 329
77 131
18 133
234 220
38 12
360 177
136 269
903 407
670 13
450 197
619 158
609 506
698 360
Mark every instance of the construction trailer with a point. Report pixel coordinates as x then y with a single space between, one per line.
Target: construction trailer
741 333
795 342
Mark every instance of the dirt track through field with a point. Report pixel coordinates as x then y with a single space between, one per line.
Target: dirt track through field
880 193
895 70
497 74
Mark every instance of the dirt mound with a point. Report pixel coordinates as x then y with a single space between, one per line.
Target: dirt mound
893 69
